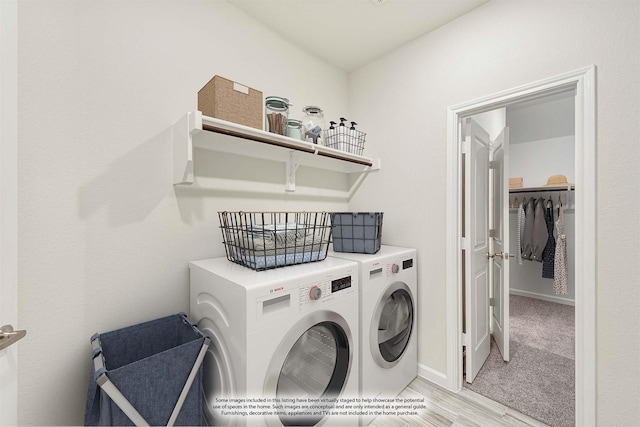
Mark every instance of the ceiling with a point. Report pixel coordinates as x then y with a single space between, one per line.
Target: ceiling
351 33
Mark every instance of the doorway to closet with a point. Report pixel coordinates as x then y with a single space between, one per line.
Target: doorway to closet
516 159
582 82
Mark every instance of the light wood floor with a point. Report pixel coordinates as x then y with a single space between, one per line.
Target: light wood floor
463 409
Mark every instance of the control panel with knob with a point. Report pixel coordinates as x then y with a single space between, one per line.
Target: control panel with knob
395 268
315 293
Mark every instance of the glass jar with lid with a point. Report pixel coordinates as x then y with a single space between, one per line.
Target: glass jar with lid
313 124
294 129
276 110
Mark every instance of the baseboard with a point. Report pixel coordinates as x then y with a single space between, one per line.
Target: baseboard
551 298
433 376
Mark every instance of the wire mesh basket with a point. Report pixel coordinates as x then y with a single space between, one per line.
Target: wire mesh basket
266 240
345 139
357 232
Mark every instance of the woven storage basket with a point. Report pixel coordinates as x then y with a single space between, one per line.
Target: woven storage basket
227 100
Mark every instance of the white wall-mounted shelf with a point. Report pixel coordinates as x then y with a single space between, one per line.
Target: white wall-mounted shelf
194 130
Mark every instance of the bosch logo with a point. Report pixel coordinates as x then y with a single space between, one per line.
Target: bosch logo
277 289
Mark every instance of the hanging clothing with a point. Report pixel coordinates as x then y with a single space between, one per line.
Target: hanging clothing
549 253
521 221
561 265
527 234
539 233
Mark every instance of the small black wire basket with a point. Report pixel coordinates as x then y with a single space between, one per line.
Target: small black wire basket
267 240
356 232
345 139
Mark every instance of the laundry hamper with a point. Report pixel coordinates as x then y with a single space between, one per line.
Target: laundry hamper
147 374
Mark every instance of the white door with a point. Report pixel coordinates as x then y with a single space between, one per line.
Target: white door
8 207
476 266
500 241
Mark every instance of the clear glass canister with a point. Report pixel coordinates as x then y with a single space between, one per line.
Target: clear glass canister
313 124
276 114
294 129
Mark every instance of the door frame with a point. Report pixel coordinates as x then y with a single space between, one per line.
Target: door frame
583 80
9 206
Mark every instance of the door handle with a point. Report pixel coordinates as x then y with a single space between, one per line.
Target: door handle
8 336
503 255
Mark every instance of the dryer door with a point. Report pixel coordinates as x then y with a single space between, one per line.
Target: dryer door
391 325
313 362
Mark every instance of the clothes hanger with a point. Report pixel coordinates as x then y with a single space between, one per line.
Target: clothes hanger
559 204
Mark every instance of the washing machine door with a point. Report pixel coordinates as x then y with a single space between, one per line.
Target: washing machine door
313 362
392 325
217 378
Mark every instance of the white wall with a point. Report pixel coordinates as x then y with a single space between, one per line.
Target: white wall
542 138
104 237
402 99
8 206
536 161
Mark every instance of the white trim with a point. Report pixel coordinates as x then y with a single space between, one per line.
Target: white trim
585 243
9 206
453 249
584 81
432 375
544 297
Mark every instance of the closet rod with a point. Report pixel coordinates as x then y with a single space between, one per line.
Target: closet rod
540 189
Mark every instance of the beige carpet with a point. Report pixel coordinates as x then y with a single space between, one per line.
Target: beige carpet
539 379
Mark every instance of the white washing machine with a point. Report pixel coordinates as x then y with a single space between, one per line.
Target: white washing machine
278 336
388 327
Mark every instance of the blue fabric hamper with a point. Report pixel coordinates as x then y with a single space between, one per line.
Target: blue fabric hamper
147 374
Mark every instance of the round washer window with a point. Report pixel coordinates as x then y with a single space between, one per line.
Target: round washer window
316 367
395 324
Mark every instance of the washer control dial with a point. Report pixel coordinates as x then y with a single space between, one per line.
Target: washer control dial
315 293
395 268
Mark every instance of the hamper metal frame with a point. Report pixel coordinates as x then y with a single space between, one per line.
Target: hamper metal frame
267 240
101 377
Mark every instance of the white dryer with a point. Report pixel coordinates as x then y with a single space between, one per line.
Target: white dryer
388 326
278 336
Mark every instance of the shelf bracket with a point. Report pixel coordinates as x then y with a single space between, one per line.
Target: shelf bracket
292 168
182 133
